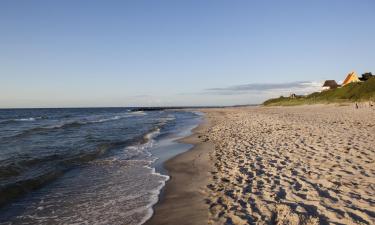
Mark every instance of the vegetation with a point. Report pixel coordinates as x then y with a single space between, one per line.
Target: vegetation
354 92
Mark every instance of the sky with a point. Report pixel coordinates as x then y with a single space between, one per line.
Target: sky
77 53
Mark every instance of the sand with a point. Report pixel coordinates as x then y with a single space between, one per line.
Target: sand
276 165
183 200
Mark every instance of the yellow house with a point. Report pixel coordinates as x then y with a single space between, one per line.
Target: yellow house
352 77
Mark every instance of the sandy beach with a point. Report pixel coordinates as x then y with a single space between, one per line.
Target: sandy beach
183 200
275 165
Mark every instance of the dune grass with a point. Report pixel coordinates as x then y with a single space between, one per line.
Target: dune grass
354 92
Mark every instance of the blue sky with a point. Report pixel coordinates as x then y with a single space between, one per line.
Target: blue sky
155 53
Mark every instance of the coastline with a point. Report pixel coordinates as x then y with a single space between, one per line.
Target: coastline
274 165
127 174
183 197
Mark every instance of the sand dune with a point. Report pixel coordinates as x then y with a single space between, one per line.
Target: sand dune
292 165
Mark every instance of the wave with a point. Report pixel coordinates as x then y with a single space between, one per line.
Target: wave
139 149
73 124
152 134
138 113
25 119
29 119
155 193
118 117
18 185
30 174
113 118
16 189
81 123
32 119
155 196
34 130
133 151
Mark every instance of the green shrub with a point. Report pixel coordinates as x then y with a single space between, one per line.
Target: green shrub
361 91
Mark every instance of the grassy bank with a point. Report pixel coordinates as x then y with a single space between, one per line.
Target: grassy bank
355 92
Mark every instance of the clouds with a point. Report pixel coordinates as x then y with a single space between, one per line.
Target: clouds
298 87
253 93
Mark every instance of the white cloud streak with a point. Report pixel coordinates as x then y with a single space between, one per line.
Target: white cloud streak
298 87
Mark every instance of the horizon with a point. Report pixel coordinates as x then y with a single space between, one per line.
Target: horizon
173 54
133 107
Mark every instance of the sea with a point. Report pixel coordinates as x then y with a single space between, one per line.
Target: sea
86 165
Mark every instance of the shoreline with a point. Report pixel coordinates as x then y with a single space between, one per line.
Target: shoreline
274 165
182 200
126 174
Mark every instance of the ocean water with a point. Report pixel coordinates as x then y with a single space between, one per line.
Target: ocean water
86 166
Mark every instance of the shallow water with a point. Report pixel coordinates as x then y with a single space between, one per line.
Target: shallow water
86 166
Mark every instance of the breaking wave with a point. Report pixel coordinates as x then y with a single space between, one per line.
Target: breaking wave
29 174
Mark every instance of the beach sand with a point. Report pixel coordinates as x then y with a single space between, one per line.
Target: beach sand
275 165
183 201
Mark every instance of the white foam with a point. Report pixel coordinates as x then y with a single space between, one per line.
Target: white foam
117 117
156 192
140 113
25 119
154 196
102 209
92 121
127 115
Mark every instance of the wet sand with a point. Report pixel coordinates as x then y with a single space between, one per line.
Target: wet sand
275 165
183 200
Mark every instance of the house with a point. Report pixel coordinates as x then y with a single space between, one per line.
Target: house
351 78
293 96
366 76
330 84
